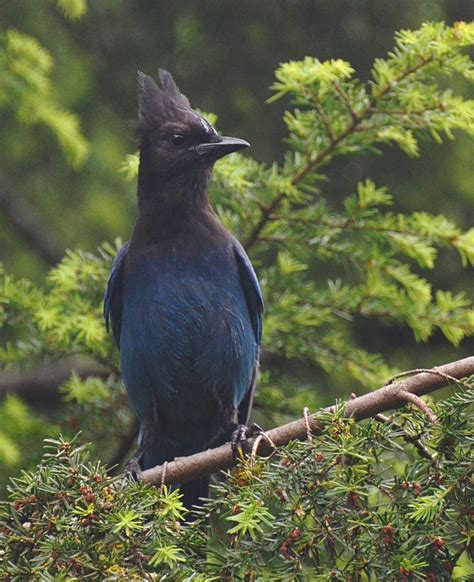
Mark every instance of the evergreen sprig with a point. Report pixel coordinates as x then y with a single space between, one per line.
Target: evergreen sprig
25 82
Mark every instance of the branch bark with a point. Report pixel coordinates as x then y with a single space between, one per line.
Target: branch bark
388 397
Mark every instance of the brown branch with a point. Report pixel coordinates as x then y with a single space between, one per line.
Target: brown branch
184 469
409 438
419 403
33 228
266 211
41 384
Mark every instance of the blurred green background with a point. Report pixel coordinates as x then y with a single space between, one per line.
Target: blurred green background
222 53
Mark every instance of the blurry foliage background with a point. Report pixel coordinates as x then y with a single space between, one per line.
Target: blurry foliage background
223 55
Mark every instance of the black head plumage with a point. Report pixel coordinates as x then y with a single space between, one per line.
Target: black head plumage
157 105
171 89
174 139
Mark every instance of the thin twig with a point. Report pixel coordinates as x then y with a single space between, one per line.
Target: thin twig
324 118
306 415
255 446
447 377
163 477
412 439
346 224
345 100
419 403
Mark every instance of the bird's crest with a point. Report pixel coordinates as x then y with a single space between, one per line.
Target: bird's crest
156 105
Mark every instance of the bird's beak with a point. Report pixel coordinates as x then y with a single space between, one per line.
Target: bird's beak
219 149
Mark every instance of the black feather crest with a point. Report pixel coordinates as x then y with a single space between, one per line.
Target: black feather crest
171 89
156 105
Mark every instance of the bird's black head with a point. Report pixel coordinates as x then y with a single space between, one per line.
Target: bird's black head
175 139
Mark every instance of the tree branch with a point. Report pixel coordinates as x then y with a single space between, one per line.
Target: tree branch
31 226
41 384
329 150
409 438
388 397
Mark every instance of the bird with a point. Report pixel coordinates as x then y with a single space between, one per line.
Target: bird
183 299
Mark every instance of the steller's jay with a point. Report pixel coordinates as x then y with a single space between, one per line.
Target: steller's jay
182 297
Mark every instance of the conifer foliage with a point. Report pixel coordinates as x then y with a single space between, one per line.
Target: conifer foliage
386 498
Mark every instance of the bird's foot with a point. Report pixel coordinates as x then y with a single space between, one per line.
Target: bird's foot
133 471
241 440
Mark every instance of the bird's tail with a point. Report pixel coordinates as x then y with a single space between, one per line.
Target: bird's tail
192 492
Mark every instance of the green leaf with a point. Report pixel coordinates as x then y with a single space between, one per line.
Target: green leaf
73 9
427 508
250 520
288 264
169 555
127 522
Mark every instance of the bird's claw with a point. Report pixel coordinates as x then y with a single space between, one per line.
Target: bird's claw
133 471
241 440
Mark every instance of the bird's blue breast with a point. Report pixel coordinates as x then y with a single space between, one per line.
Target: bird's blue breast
188 349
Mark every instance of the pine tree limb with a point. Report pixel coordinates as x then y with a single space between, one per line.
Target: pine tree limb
329 150
184 469
41 384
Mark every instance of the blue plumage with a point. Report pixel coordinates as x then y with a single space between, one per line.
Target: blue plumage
183 299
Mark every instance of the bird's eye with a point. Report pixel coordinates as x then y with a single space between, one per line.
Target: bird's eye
177 140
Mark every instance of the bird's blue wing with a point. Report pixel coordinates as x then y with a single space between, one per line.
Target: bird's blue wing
254 299
251 287
113 295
